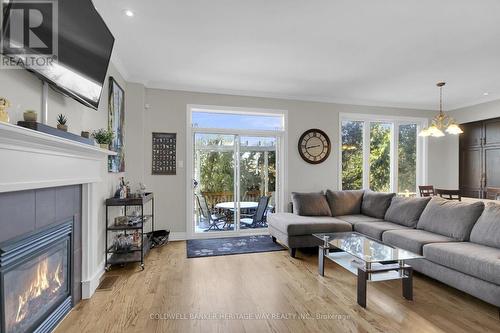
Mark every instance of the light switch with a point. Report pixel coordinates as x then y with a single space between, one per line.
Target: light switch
181 164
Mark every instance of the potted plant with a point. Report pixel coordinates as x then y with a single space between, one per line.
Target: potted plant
61 122
103 137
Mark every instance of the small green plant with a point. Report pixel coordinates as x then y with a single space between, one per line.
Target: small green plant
103 136
61 119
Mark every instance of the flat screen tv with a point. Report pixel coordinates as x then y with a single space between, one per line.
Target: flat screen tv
82 52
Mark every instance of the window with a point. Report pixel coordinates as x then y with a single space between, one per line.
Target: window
384 155
352 155
407 158
237 121
380 157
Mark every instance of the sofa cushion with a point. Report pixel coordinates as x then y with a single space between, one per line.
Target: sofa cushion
375 204
413 240
450 218
376 229
296 225
310 204
345 202
476 260
354 219
486 231
406 211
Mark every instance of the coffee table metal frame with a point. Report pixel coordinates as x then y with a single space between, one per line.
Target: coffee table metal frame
367 271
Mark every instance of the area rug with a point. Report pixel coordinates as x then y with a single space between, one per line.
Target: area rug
197 248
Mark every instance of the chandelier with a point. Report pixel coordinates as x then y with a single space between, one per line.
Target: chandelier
442 122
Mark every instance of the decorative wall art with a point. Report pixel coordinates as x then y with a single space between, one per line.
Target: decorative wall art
116 119
164 149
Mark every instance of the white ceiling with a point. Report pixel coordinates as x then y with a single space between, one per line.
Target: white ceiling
385 52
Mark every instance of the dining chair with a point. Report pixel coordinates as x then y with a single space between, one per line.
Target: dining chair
426 190
493 193
207 215
259 218
449 194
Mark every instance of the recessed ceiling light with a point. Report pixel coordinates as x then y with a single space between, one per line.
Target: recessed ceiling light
486 94
128 12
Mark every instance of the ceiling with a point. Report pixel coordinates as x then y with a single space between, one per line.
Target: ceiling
385 52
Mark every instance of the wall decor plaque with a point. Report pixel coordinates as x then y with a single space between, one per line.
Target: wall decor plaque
164 149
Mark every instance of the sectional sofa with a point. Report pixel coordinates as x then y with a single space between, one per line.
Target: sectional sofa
460 241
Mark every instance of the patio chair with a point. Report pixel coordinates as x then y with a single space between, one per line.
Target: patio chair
207 215
259 218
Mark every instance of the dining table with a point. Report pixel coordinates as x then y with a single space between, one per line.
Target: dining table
232 205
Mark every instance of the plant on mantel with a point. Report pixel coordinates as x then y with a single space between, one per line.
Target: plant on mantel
61 122
103 137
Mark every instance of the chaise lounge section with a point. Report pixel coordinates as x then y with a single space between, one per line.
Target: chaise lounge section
460 241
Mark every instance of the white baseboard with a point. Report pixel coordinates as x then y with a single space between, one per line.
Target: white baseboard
177 236
89 286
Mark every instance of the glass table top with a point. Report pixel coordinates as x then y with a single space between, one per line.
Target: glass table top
365 248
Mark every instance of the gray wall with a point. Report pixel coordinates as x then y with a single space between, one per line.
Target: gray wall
167 110
23 212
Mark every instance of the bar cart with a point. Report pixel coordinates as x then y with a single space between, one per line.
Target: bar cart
135 225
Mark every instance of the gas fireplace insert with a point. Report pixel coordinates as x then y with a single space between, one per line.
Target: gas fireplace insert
36 280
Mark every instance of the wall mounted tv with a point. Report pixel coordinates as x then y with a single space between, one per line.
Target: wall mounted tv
72 32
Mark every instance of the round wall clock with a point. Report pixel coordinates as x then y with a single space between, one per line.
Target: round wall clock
314 146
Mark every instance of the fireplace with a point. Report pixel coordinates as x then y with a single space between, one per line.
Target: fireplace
36 280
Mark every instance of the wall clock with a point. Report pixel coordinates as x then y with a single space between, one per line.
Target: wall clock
314 146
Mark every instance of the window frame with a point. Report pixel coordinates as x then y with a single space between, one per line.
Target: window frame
395 122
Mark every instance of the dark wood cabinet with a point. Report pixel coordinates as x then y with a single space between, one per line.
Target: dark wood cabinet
479 157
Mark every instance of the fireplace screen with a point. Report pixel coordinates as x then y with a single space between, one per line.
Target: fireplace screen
33 288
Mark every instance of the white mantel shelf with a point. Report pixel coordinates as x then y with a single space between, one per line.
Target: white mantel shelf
34 138
31 159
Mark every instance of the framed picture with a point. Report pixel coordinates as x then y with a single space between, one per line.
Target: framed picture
164 150
116 119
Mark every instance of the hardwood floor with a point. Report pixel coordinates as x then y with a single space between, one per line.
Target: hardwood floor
271 284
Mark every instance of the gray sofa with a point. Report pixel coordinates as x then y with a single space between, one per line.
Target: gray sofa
460 241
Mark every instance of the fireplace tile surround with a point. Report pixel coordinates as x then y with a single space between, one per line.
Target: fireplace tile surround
27 212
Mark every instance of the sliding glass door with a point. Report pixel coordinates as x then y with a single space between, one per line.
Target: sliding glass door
257 178
214 181
235 169
232 173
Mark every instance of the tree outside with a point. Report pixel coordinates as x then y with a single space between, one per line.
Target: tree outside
217 165
352 155
380 156
407 159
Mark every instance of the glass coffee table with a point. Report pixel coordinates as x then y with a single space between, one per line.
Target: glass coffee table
368 258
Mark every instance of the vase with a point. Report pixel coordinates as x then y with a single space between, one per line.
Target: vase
104 145
30 116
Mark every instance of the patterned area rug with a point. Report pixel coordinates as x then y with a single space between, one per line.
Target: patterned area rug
231 245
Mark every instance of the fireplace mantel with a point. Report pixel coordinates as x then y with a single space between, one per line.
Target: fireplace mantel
31 159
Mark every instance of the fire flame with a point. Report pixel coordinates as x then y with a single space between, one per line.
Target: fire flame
42 281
